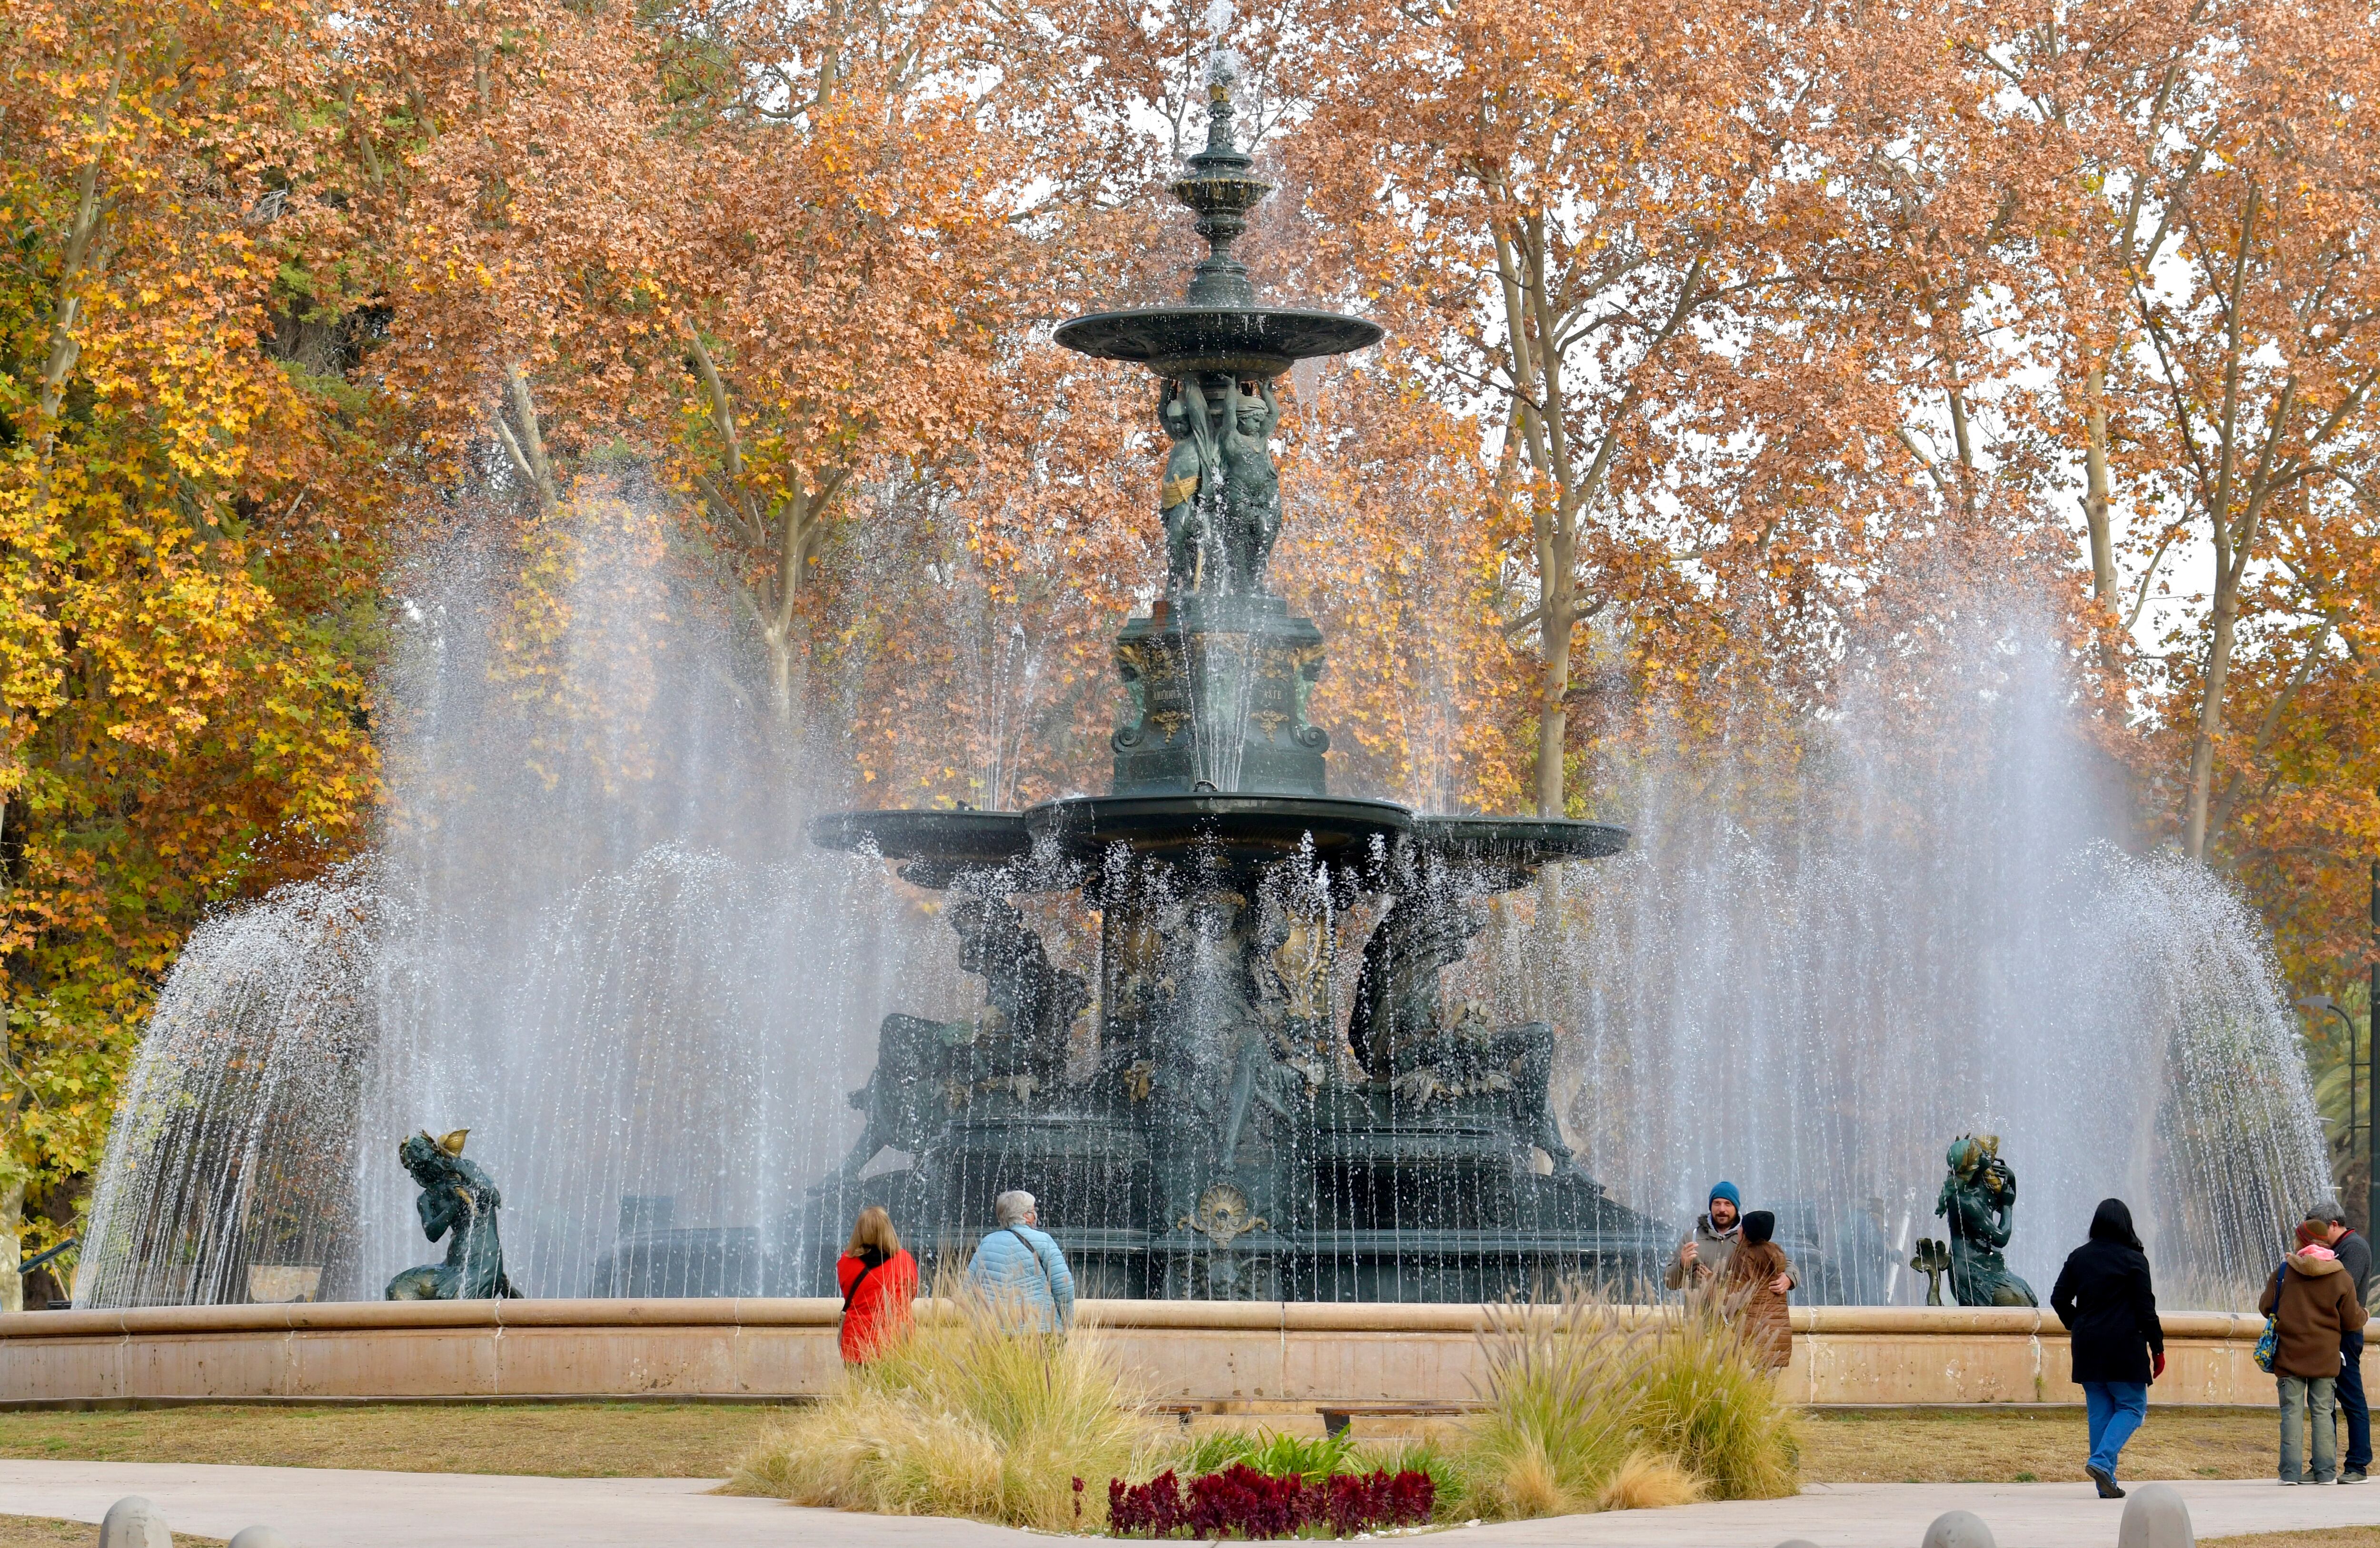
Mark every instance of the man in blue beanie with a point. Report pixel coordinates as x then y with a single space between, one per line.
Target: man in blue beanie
1703 1257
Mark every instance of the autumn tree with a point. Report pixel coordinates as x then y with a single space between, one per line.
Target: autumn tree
970 613
2193 242
1394 539
187 554
1566 209
2261 322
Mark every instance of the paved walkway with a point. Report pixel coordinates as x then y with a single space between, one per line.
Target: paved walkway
320 1507
1896 1515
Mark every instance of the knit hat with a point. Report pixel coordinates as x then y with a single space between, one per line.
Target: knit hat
1758 1226
1725 1191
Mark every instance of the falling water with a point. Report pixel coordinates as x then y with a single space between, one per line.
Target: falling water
1926 932
232 1152
595 935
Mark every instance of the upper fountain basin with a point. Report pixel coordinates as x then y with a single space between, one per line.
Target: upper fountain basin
1240 341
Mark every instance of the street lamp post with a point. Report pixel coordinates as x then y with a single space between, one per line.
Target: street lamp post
2320 1005
2319 1002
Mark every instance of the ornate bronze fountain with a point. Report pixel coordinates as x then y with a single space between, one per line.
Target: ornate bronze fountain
1222 1126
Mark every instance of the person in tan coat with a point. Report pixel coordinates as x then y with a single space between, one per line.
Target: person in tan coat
2312 1302
1759 1277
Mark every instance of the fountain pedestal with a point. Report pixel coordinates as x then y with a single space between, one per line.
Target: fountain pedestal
1215 691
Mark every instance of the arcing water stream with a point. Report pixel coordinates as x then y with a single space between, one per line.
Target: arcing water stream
594 934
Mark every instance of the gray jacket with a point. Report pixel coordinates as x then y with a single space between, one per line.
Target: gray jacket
1713 1250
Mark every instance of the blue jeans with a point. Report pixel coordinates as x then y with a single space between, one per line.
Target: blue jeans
2117 1409
2351 1407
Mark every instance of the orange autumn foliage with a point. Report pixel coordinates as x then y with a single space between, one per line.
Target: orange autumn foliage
188 554
1724 340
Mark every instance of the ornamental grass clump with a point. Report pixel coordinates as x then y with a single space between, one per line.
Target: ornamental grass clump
961 1418
1593 1406
1702 1399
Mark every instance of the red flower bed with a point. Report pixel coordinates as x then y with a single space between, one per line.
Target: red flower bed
1242 1502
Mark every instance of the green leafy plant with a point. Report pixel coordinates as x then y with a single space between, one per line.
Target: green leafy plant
1275 1453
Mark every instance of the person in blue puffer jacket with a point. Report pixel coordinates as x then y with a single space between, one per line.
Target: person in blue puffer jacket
1018 1265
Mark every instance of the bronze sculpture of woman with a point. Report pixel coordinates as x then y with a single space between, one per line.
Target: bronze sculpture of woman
1979 1199
458 1202
1190 472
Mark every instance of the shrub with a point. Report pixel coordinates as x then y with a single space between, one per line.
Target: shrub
963 1418
1555 1426
1242 1502
1448 1484
1647 1481
1365 1502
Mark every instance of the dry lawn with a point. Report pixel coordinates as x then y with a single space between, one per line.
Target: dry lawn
2329 1537
559 1440
2029 1445
47 1531
696 1440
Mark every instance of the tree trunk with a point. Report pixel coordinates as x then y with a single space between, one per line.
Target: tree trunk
781 672
85 242
793 541
12 1251
529 450
2096 493
2210 709
1555 619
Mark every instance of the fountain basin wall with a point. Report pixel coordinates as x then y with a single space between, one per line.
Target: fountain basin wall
1250 1357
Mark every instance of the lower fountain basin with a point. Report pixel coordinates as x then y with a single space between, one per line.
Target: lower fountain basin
1498 854
1239 827
936 846
1482 853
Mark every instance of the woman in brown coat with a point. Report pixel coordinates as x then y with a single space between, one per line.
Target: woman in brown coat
1759 1276
2312 1302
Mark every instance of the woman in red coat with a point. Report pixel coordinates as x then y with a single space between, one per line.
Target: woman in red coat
879 1282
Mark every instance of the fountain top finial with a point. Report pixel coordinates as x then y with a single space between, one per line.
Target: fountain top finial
1218 328
1219 187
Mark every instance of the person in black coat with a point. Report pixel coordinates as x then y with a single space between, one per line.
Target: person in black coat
2104 1298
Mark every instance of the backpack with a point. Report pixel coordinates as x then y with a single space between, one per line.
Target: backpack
2269 1346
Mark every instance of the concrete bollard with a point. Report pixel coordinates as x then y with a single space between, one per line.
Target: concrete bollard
258 1537
1797 1543
133 1522
1958 1529
2155 1516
